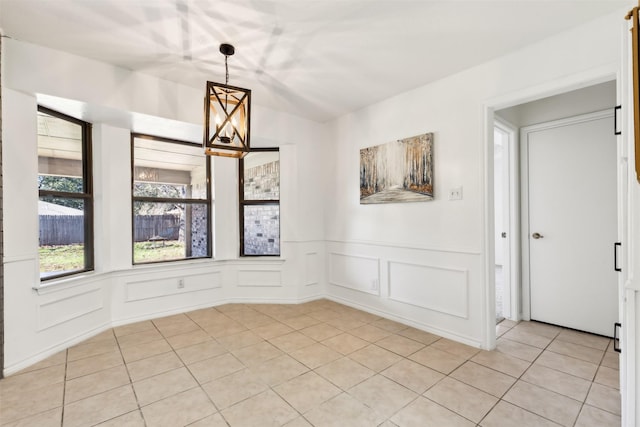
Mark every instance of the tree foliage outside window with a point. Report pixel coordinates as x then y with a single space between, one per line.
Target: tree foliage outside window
161 191
63 184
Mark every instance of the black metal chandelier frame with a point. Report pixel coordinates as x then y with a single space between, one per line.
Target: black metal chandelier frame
230 107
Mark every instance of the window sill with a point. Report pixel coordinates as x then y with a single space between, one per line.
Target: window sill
67 282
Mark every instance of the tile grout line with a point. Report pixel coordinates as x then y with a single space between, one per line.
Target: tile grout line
64 387
519 378
186 366
556 337
126 367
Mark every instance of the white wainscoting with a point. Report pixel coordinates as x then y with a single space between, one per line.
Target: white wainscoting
311 265
438 291
178 284
53 312
259 278
441 289
360 273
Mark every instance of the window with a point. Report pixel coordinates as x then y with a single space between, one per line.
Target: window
65 206
260 203
171 199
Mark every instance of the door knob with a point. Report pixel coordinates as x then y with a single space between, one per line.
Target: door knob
537 236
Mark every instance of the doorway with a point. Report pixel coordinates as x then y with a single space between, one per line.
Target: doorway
517 112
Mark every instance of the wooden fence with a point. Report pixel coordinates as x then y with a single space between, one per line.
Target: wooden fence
61 229
69 229
148 226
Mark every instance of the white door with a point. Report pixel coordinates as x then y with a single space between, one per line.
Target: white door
572 222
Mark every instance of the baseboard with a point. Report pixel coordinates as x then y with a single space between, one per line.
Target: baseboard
409 322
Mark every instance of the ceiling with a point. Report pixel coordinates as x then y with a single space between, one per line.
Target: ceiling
318 59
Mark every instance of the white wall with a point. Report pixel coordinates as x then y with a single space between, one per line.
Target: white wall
44 321
430 258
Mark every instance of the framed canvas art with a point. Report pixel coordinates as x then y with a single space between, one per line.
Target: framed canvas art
397 172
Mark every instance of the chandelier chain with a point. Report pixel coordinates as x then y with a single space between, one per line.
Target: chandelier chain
226 67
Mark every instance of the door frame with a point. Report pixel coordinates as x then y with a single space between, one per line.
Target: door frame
628 311
566 84
524 192
511 267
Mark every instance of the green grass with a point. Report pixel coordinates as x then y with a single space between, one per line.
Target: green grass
61 258
156 251
71 257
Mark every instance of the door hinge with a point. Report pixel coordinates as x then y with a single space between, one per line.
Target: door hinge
616 245
616 337
615 120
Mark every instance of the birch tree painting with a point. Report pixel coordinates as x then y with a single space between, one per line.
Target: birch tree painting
397 172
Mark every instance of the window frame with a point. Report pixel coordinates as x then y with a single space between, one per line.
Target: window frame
269 202
208 201
86 196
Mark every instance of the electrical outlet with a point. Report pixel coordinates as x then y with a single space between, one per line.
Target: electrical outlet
455 193
180 284
374 285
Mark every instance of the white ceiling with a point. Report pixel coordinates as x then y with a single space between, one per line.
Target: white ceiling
314 58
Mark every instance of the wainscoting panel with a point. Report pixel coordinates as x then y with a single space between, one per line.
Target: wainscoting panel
311 269
355 272
154 288
54 312
260 278
445 290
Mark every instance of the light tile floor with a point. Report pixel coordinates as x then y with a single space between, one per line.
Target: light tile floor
315 364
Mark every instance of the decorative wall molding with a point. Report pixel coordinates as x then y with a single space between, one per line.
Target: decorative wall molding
168 286
441 289
260 278
357 272
311 274
405 246
9 259
57 311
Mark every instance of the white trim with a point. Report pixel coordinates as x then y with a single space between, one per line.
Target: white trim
81 311
405 321
487 239
332 281
567 121
512 271
628 358
431 307
404 246
626 181
210 265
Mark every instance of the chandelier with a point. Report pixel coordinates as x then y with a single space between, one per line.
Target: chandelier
227 113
